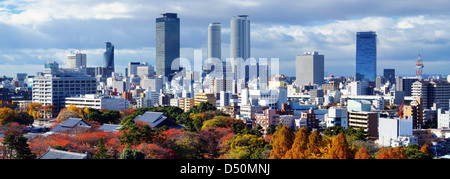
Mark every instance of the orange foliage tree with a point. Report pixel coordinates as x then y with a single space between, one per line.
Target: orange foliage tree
340 148
300 145
362 154
283 141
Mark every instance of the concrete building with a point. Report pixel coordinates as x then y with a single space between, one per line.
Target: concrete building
443 118
432 92
186 103
365 120
76 60
395 132
309 69
337 117
55 84
266 118
415 112
358 105
205 97
97 102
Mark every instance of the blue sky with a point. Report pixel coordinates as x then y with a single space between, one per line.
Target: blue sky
33 32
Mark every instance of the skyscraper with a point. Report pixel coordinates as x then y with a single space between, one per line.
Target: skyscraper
309 68
214 40
240 44
167 44
108 58
366 56
76 60
214 62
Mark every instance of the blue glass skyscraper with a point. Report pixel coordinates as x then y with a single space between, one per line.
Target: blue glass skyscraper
366 56
167 44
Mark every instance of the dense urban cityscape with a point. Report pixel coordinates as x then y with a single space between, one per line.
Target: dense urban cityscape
238 107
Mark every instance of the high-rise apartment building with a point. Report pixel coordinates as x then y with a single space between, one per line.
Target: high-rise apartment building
167 44
240 44
108 58
431 92
76 60
366 56
309 68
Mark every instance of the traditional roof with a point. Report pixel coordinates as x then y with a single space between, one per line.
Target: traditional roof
110 127
71 123
60 154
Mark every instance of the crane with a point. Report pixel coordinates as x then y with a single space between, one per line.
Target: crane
400 111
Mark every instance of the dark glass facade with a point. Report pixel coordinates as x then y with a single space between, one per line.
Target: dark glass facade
389 75
366 56
167 44
108 58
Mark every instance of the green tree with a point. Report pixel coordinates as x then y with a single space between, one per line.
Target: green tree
332 131
19 145
128 153
111 116
242 146
101 150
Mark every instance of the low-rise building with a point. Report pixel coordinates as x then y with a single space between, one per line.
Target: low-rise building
97 101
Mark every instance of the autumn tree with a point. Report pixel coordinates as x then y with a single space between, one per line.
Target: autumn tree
315 144
65 114
300 145
362 154
391 153
282 143
7 115
426 149
340 148
33 110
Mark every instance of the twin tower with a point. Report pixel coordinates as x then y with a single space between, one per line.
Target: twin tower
168 41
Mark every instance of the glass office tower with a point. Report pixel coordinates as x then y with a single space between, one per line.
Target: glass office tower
108 58
167 44
366 56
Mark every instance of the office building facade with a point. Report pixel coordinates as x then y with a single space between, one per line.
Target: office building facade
366 56
76 60
167 44
309 68
53 87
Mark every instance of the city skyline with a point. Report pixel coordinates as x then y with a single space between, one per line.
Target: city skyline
41 31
